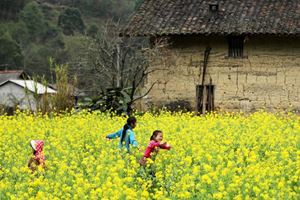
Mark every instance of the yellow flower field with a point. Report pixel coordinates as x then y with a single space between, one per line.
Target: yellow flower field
219 156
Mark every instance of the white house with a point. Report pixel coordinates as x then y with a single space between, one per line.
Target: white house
22 93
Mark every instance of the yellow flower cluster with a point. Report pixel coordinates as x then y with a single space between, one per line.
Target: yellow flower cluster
217 156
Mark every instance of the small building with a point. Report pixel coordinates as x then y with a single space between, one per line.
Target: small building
76 93
22 93
226 54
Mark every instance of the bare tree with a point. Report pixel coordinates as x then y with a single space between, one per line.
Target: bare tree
124 63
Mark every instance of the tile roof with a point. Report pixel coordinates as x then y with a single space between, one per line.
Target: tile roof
76 91
10 74
174 17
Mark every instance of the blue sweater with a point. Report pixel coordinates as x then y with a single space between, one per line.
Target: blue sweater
129 138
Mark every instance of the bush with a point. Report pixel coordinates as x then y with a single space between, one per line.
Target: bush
64 99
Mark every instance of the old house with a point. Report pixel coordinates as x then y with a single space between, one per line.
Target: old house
237 55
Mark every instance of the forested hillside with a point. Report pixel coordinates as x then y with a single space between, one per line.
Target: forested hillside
31 31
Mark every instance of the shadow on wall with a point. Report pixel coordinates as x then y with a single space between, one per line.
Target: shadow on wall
180 105
7 110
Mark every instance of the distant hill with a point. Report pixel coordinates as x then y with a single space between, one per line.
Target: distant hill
99 8
31 31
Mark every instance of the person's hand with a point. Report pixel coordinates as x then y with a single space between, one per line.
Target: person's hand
108 139
167 146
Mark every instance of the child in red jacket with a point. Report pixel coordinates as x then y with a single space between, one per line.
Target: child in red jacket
154 146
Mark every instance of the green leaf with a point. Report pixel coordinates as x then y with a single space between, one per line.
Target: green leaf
126 97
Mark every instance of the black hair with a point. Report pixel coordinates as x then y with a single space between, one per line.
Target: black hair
130 120
154 134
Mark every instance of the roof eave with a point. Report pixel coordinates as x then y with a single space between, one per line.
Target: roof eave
206 34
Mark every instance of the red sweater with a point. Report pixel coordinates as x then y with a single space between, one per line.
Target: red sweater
152 145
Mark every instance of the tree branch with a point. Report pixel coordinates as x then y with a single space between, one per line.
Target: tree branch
145 93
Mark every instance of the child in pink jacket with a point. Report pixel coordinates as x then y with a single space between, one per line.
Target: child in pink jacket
38 157
154 146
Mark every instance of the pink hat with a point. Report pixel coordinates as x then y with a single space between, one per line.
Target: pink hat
37 145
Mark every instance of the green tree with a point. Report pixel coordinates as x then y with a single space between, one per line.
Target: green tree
9 9
37 56
121 9
34 20
10 52
51 32
105 7
70 21
20 34
138 3
92 30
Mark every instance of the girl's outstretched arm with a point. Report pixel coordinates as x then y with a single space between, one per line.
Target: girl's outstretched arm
114 135
165 146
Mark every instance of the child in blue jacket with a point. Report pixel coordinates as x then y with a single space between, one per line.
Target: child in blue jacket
126 134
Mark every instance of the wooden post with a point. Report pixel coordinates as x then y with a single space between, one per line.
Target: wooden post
201 101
